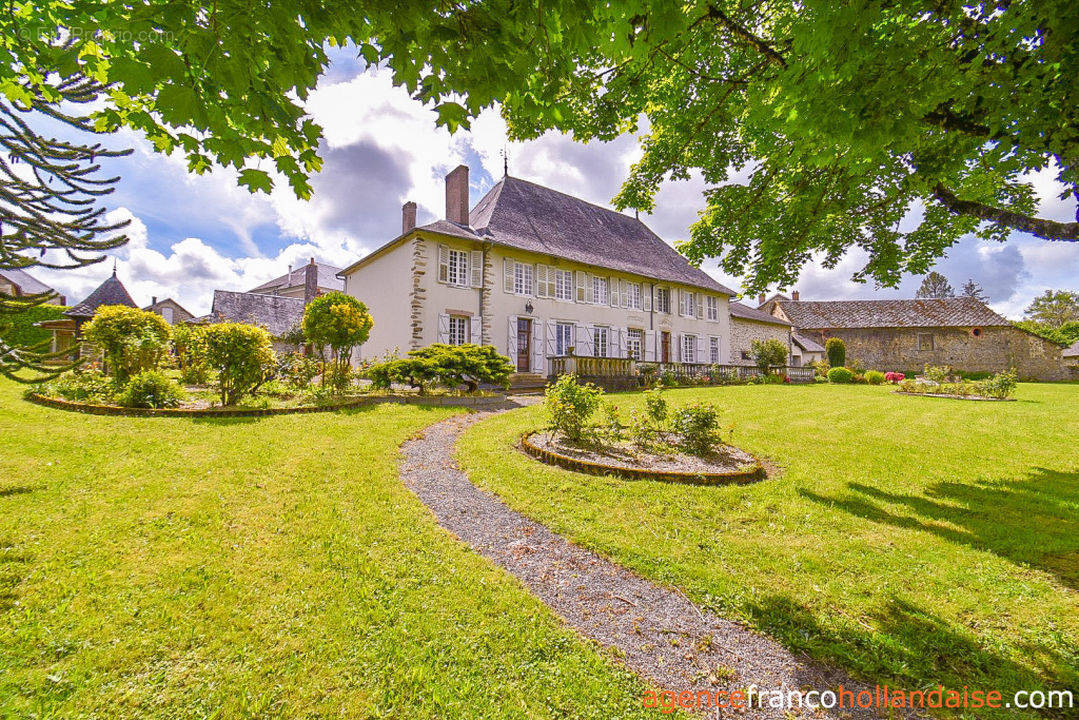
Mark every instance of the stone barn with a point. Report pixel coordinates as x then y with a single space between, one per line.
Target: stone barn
905 335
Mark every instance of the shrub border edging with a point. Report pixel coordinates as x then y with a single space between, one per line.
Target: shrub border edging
737 477
116 410
946 396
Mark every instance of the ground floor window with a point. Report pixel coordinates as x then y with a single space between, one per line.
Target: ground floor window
459 329
600 336
634 344
689 348
563 338
713 350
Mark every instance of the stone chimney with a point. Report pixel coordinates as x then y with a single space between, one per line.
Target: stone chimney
794 295
457 195
760 299
408 216
310 281
153 300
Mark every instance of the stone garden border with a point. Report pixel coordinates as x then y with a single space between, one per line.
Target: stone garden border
484 402
949 396
737 477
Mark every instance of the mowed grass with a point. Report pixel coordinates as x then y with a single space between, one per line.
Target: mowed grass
259 568
912 540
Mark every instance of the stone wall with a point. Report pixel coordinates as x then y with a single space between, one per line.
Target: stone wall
989 349
744 332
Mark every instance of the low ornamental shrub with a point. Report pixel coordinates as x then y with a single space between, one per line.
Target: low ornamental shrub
243 357
570 405
999 386
655 405
937 373
189 344
894 377
297 370
86 386
131 340
453 366
767 354
840 375
150 389
697 426
874 377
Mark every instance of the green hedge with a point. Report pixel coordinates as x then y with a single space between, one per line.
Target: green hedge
23 330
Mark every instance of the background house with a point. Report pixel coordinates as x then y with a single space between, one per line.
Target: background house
305 282
18 283
278 314
172 311
65 331
749 324
535 272
905 335
1071 359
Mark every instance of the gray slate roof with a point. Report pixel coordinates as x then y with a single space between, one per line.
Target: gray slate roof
933 312
1072 350
526 216
807 344
327 278
745 312
110 292
27 284
277 313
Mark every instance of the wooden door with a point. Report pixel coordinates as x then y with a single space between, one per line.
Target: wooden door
524 344
664 346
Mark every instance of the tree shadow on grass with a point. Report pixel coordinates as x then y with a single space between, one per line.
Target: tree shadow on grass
1032 520
15 490
909 648
13 567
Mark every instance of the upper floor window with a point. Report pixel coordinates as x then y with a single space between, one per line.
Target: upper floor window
522 278
453 266
631 295
689 303
711 307
663 300
600 290
563 284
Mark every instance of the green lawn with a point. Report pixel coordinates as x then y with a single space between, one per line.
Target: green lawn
275 567
912 540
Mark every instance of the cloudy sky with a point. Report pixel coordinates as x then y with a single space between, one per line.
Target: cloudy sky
193 234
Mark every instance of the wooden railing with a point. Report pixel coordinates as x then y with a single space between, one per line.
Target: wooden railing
684 373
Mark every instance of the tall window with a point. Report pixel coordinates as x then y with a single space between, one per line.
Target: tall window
522 278
599 290
689 348
457 267
459 329
632 298
600 336
563 284
563 338
713 350
689 303
663 300
711 307
634 344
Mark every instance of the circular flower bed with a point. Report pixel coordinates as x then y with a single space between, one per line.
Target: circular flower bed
725 465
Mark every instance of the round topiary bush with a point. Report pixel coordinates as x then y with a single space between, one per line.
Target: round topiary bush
874 377
840 375
150 389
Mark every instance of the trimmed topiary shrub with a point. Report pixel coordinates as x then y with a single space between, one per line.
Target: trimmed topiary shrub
836 350
874 377
243 357
150 389
339 322
131 340
840 375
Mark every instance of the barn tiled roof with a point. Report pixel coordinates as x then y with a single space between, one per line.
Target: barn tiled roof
745 312
526 216
327 278
931 312
27 284
110 292
1072 350
277 313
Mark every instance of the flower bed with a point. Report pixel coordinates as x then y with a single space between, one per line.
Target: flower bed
940 382
727 465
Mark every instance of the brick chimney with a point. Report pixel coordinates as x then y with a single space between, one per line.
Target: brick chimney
794 295
408 216
310 281
457 195
760 299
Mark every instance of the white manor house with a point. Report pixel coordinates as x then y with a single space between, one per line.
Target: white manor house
540 274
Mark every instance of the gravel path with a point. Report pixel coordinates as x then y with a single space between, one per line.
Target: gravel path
655 631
